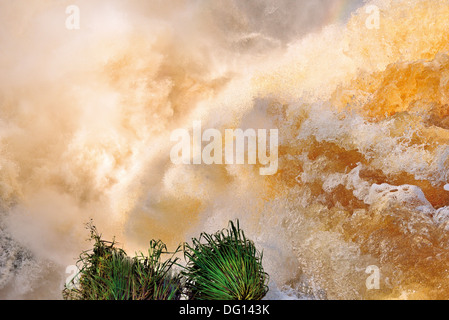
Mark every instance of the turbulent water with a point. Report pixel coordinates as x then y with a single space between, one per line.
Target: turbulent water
362 113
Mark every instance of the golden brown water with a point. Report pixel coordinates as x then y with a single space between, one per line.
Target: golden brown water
86 116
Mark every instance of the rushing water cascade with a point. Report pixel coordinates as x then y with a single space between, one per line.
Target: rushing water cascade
362 111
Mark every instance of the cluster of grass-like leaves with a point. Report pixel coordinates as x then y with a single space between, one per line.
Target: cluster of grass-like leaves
108 273
221 266
224 266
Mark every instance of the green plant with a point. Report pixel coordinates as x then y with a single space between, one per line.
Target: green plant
107 273
224 266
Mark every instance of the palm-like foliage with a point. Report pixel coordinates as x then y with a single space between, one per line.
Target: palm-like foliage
107 273
224 266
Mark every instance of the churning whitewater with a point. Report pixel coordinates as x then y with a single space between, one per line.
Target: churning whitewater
362 112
